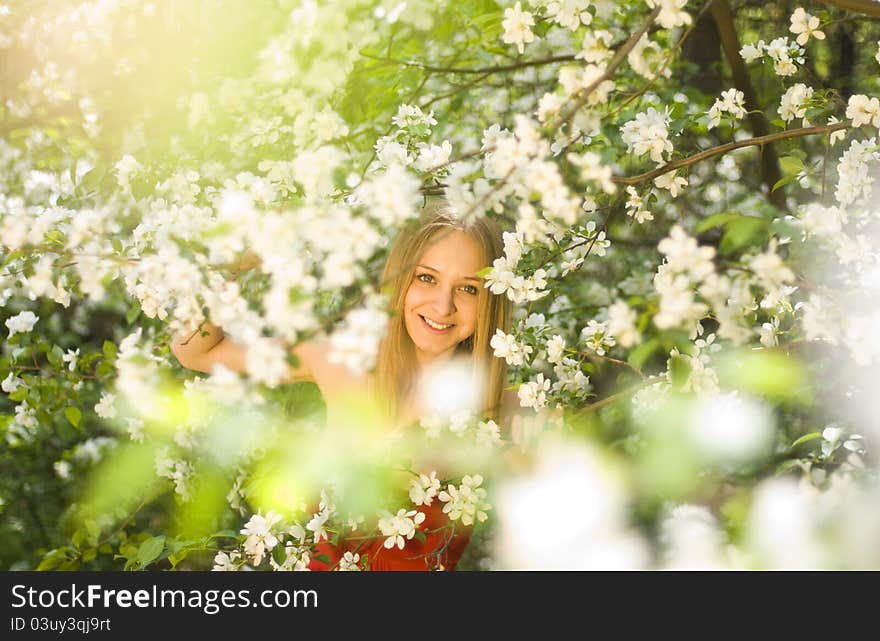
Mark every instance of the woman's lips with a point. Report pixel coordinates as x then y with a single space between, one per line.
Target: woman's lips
433 330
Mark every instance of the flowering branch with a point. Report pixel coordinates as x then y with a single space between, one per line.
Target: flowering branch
723 149
583 95
666 61
613 360
615 397
474 70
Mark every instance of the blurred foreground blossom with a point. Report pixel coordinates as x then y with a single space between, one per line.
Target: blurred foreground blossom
567 514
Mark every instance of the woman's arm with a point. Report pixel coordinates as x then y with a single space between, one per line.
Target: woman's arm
201 353
201 349
208 345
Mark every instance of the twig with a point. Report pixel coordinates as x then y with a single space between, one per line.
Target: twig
473 70
581 97
615 397
723 149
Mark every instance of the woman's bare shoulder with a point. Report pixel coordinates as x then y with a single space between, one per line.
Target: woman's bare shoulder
315 364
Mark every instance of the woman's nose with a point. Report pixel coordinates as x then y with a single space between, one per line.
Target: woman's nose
444 303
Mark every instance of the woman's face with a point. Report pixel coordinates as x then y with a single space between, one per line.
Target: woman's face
440 307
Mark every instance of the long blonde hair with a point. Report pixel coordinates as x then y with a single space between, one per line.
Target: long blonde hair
397 358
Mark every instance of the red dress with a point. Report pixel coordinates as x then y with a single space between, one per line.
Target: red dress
441 550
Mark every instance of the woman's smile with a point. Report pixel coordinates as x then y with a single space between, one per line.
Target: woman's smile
436 327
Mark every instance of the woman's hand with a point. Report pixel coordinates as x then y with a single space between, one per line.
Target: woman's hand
247 260
526 428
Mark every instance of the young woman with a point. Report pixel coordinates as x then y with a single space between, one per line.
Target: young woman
439 310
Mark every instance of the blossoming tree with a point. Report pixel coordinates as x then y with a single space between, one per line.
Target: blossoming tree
690 246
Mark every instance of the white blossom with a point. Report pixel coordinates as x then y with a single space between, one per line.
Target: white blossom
863 110
466 502
794 102
516 25
106 408
732 427
672 182
635 206
488 434
224 562
683 255
593 170
506 346
595 46
596 336
23 323
555 349
648 134
732 102
570 378
854 178
752 52
805 26
356 342
350 562
671 13
622 324
431 156
691 539
260 535
11 383
127 167
423 489
412 117
400 526
534 393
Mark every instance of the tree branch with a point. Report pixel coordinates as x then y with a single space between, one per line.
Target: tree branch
730 44
866 7
723 149
473 70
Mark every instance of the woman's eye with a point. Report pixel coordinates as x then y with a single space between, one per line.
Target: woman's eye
425 278
470 289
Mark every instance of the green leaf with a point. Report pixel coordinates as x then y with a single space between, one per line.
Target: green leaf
279 554
93 178
483 273
642 353
20 394
109 350
56 356
812 436
93 529
132 314
791 164
716 220
53 559
679 370
741 232
783 181
141 187
420 536
73 415
763 373
79 537
150 550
